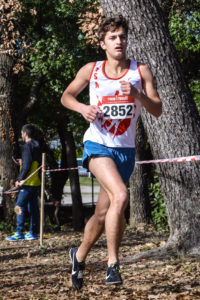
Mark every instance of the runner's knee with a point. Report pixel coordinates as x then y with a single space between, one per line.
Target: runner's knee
120 200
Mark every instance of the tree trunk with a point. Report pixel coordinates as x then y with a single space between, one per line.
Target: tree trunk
7 137
77 207
33 98
58 179
140 208
176 132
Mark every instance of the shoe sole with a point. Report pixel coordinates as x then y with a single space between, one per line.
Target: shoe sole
114 282
15 240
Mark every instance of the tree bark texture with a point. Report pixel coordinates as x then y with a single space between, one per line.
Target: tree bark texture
140 207
7 137
176 132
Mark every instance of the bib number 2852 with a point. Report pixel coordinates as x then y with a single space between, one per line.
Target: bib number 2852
118 111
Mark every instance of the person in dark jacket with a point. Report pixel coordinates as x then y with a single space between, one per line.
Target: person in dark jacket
28 195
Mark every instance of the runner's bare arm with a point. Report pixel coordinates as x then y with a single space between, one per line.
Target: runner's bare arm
150 100
68 99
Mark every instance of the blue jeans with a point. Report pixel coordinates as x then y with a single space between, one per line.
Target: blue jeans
28 198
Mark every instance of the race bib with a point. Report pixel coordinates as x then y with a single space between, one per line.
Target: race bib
117 107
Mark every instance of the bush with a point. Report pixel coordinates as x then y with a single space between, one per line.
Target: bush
7 227
158 212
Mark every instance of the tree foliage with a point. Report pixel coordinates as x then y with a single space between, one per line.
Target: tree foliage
53 37
185 32
59 49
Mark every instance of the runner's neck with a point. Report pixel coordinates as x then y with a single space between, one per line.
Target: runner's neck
115 69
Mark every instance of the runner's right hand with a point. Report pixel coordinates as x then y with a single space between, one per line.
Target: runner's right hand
89 112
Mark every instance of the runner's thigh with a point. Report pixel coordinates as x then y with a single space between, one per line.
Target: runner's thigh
106 173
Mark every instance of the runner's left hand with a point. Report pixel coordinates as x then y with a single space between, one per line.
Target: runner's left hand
128 89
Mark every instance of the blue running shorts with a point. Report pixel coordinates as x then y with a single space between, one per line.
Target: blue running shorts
123 157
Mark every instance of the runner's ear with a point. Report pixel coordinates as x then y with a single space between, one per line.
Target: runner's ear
102 45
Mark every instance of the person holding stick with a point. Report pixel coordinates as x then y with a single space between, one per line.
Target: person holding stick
29 188
118 88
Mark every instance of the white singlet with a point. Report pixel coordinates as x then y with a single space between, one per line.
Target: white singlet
115 124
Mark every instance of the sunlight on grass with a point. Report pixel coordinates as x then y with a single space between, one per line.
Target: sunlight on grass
87 181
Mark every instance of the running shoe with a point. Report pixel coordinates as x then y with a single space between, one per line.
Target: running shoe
77 270
31 236
113 275
17 237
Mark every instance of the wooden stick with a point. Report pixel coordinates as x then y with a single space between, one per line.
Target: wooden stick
42 199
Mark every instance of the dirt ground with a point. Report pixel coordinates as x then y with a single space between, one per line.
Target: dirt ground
28 271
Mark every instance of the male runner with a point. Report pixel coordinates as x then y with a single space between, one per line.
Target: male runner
116 97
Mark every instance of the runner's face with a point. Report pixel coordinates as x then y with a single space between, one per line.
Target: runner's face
115 43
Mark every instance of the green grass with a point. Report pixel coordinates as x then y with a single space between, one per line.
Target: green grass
87 181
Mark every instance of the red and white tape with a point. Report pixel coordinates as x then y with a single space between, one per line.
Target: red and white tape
11 192
169 160
16 189
155 161
65 169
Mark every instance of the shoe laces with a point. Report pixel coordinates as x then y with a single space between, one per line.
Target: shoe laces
116 267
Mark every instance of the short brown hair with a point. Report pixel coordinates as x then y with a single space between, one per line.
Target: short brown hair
111 24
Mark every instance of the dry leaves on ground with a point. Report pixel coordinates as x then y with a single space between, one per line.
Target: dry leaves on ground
29 272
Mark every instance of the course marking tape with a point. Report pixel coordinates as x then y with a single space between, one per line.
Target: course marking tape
166 160
11 192
65 169
169 160
16 190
